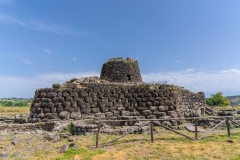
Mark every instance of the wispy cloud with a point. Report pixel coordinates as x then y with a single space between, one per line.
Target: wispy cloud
48 51
74 59
55 28
226 81
42 26
8 19
177 61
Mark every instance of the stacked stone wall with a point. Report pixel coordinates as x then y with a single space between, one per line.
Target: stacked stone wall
115 101
120 70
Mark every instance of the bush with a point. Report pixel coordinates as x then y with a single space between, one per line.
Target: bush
13 103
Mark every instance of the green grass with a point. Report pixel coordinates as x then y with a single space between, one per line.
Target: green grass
85 154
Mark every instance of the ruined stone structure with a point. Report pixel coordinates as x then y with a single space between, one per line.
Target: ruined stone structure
94 98
120 70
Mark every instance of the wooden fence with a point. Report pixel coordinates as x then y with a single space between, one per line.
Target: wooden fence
226 120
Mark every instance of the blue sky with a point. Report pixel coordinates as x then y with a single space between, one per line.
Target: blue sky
194 44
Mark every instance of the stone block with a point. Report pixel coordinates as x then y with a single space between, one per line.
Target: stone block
125 113
95 110
86 110
128 95
121 95
132 100
103 109
46 110
56 86
112 109
76 115
153 108
151 117
158 98
155 94
118 100
159 114
156 103
64 115
126 104
53 110
91 104
130 90
43 94
78 99
163 108
142 104
115 95
60 99
104 99
48 115
96 89
93 94
109 104
65 94
117 104
88 116
142 108
151 99
108 114
74 104
124 100
111 99
120 108
68 99
70 109
82 104
135 113
146 112
148 94
59 108
83 94
73 94
171 108
116 113
148 104
100 115
171 113
88 99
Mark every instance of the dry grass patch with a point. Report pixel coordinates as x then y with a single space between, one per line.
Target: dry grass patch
14 110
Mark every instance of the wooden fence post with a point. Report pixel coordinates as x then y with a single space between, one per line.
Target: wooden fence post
97 135
228 127
196 134
151 126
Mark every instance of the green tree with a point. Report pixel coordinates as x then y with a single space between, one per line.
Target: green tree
217 100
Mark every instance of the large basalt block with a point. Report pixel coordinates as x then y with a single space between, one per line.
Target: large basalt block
64 115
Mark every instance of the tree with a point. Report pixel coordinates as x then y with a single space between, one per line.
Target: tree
217 100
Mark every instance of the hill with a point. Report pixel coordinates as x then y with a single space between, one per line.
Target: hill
234 100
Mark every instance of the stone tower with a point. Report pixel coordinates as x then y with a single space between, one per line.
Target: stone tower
121 70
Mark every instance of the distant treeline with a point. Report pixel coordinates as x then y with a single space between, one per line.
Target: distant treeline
8 103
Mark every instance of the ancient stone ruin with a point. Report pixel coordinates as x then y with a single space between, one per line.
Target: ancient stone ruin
119 94
120 70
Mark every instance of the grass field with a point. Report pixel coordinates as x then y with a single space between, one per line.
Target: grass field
167 145
14 110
